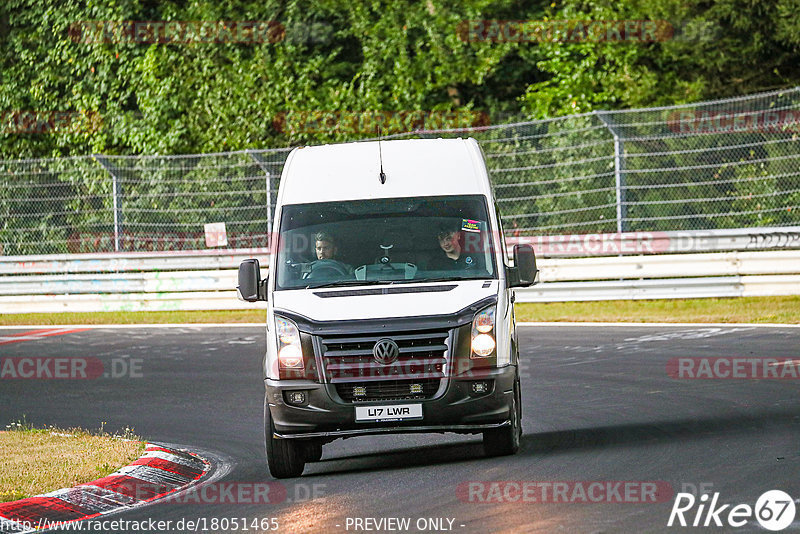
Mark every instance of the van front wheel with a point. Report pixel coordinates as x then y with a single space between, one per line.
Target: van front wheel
505 440
286 457
313 450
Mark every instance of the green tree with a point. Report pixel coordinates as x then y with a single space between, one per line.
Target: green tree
215 96
703 50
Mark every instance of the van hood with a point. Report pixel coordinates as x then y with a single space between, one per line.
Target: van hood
384 301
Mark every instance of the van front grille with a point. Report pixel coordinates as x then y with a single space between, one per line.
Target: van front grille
348 359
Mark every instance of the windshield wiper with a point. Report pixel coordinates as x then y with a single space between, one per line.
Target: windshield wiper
351 283
342 283
443 279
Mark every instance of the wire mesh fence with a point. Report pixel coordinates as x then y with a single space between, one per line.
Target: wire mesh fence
115 203
724 164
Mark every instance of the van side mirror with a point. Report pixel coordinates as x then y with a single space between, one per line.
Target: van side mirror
524 272
251 288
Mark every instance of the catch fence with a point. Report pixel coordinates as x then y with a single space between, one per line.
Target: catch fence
715 165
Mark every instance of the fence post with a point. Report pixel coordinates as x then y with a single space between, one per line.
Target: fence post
103 161
619 170
261 162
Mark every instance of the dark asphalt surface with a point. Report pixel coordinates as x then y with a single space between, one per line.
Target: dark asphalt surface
598 405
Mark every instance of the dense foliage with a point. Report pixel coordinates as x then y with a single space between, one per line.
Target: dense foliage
326 59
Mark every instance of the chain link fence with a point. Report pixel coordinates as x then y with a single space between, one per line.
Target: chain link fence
724 164
120 203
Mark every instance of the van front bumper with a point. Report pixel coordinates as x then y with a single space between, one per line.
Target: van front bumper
458 409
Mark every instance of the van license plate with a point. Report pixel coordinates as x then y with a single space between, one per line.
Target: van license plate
394 412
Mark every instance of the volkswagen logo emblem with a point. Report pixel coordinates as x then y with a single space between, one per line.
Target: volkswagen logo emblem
385 351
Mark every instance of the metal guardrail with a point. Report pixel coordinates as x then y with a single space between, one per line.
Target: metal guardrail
669 288
158 281
152 282
673 242
670 266
128 261
561 246
146 275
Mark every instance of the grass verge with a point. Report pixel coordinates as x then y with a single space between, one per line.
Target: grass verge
785 310
711 310
37 461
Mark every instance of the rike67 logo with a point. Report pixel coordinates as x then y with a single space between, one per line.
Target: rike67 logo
774 510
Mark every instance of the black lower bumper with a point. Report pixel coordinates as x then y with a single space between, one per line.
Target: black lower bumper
457 409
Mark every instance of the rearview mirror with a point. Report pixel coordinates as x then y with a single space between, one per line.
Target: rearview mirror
250 282
525 270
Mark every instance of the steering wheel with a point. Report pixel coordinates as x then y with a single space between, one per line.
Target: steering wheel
328 268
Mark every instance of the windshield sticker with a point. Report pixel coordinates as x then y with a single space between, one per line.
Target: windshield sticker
469 225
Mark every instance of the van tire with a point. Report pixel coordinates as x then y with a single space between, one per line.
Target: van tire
313 451
286 458
505 440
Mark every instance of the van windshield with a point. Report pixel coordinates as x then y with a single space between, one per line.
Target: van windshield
396 240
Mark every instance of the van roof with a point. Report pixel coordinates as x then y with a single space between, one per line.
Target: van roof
413 167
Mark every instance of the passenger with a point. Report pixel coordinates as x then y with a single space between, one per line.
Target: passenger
451 256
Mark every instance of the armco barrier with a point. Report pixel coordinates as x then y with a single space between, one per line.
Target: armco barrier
128 261
669 288
145 281
674 242
670 266
138 282
147 276
555 246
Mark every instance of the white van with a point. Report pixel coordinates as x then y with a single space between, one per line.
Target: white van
390 300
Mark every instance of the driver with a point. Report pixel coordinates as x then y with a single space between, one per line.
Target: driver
325 246
326 263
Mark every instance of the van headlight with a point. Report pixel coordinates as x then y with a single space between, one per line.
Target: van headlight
483 342
290 353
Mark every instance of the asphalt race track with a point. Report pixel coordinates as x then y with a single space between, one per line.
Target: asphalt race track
599 405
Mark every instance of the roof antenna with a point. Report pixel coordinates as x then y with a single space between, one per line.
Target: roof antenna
382 174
